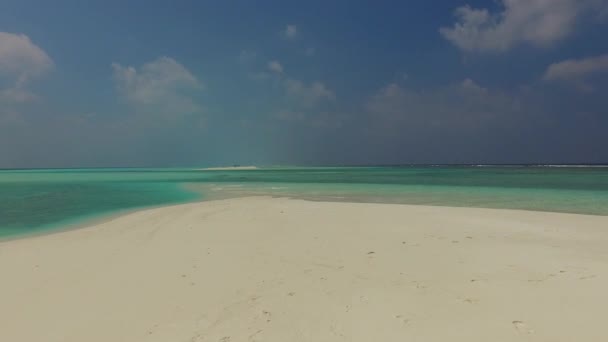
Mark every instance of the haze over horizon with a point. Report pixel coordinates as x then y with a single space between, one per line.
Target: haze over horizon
157 83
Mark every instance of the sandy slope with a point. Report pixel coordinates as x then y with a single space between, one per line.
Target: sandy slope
262 269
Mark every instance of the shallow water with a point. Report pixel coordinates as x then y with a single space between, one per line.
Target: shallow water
40 200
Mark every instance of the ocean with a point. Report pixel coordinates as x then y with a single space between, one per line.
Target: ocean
39 201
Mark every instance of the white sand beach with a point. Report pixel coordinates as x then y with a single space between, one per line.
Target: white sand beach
270 269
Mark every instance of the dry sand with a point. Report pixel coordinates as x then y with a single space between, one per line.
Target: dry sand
264 269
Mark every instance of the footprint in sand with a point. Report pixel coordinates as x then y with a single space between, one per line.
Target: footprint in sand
419 284
404 321
540 280
268 315
522 327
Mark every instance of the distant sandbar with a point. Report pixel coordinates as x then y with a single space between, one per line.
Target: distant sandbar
226 168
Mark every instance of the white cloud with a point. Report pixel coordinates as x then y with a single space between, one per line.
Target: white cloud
537 22
163 84
298 92
22 59
308 95
469 84
578 72
275 67
576 69
290 32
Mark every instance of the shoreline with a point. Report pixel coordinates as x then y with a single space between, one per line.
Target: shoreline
87 221
76 223
97 219
82 222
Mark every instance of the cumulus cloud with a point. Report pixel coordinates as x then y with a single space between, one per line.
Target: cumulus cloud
275 67
163 84
537 22
21 58
20 61
290 32
308 95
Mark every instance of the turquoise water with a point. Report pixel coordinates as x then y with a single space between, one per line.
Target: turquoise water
33 201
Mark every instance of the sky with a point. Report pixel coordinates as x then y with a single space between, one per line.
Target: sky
345 82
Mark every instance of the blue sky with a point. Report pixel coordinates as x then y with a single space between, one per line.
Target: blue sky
160 83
